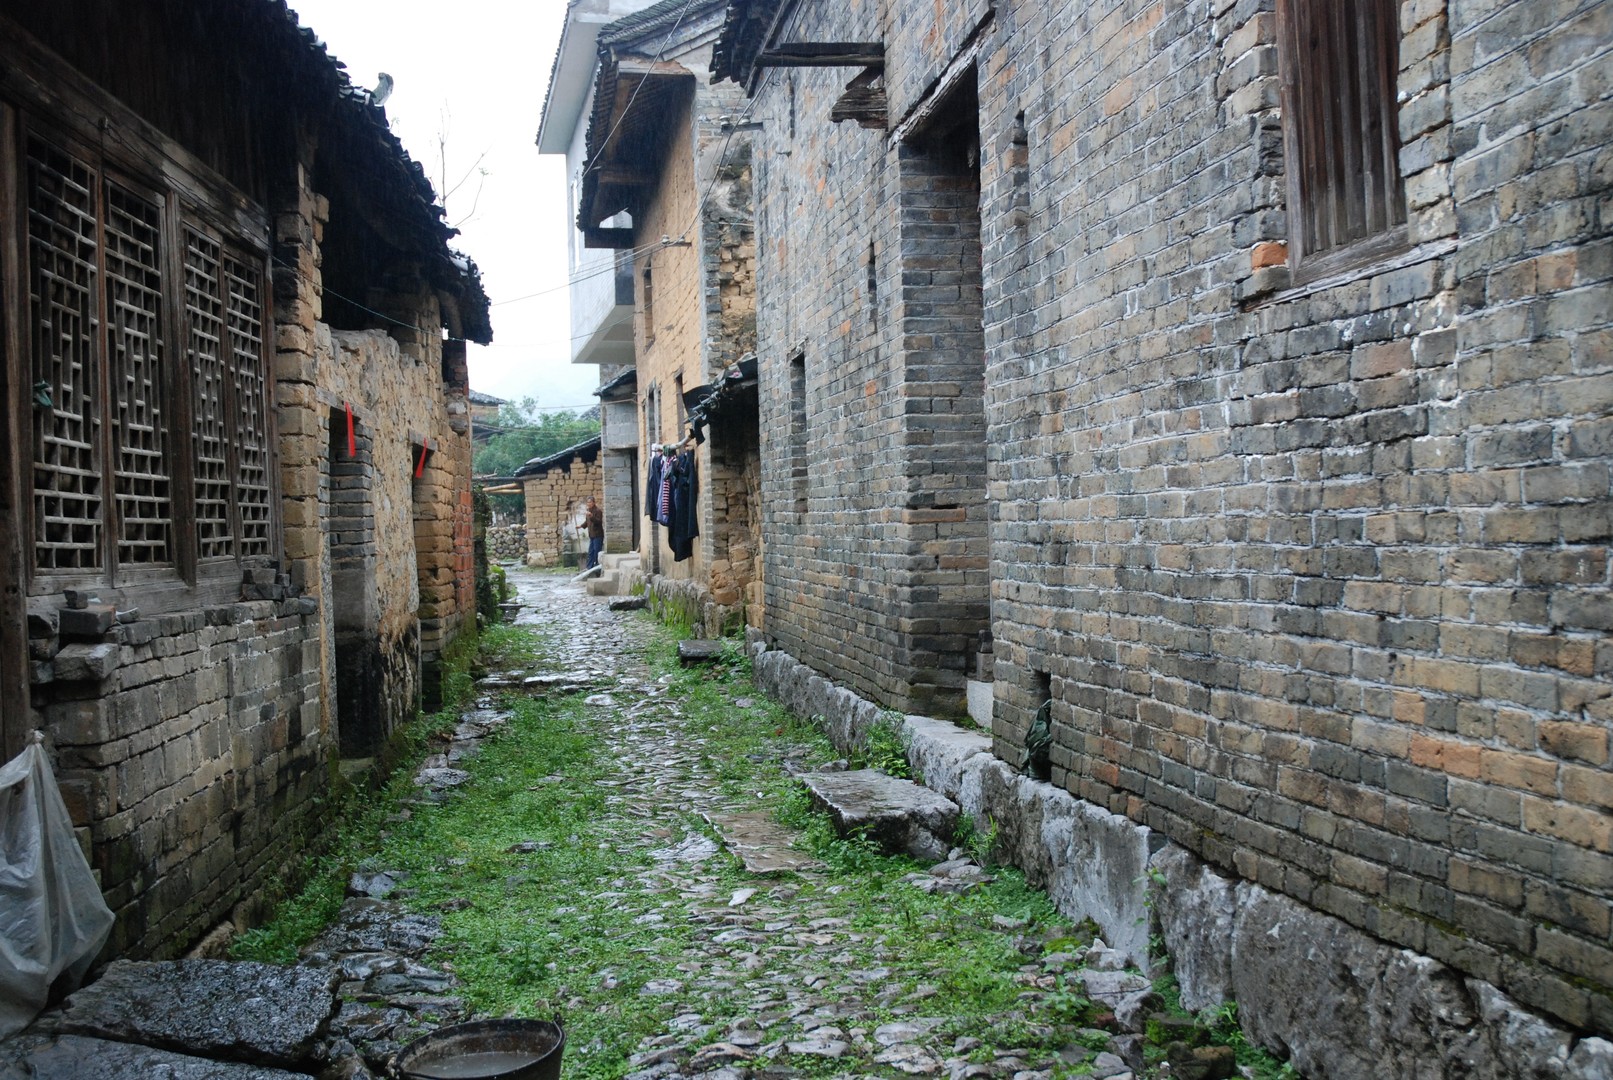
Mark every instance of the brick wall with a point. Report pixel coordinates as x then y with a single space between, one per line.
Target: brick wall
554 504
1317 576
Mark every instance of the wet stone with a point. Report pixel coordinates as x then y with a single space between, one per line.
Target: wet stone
627 603
692 651
900 815
264 1013
76 1057
378 885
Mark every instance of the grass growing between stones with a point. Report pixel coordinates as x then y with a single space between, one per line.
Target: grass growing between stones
541 870
305 904
542 886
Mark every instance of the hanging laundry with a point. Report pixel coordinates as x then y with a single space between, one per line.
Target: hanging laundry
683 520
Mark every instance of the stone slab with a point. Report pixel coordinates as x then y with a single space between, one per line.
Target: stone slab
978 697
899 815
627 603
693 651
761 843
75 1057
262 1013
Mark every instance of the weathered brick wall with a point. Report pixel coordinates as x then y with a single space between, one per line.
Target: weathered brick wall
1317 577
874 505
702 310
411 587
554 502
189 753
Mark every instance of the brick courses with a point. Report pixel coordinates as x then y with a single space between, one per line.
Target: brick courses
1318 576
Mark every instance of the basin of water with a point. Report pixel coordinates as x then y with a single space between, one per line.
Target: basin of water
485 1050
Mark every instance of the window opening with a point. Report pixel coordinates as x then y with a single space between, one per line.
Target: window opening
102 367
798 432
1340 67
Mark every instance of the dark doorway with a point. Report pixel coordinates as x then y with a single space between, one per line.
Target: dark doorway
355 616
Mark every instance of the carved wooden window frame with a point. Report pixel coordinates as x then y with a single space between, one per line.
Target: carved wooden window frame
144 545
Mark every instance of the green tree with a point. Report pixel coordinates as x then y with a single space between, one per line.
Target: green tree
523 433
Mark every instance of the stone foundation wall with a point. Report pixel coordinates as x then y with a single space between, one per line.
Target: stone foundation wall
683 600
1336 1002
507 542
189 751
554 509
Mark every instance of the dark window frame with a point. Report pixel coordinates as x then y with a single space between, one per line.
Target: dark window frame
1346 197
183 196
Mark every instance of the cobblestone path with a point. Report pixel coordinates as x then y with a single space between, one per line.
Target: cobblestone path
747 975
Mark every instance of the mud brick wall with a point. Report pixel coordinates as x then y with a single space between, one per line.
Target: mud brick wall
733 543
1317 577
189 752
555 500
397 598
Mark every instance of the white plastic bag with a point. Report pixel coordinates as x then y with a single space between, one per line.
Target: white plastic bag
53 921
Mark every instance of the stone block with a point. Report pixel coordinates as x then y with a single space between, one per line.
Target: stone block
82 662
899 815
89 621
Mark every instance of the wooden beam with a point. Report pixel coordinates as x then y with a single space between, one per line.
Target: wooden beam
622 176
629 67
824 54
863 102
15 715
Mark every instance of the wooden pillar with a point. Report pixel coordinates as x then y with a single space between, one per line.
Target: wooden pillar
15 717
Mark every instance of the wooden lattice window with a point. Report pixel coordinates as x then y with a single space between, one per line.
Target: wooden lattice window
138 399
63 257
244 300
109 403
210 434
1340 66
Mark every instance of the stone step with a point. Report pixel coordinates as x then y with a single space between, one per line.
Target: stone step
899 815
692 651
607 583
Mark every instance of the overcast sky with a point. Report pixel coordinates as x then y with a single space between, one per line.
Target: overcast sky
471 74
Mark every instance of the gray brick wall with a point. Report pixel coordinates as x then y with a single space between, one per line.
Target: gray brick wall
1318 575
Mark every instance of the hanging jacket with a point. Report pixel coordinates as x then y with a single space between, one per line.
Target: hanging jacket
683 523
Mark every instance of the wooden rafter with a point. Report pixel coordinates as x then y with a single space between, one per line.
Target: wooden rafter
824 54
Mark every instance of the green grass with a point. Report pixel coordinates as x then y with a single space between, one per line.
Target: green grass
536 877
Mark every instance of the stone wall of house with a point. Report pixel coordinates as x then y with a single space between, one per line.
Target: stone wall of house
506 543
554 509
189 751
1317 577
395 587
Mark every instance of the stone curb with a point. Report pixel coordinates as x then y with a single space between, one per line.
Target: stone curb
1332 999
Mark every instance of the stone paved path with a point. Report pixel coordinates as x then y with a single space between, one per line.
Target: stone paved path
817 995
775 976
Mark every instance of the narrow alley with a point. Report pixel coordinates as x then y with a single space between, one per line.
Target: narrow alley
565 853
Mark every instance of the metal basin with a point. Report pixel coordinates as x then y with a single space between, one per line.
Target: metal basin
485 1050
